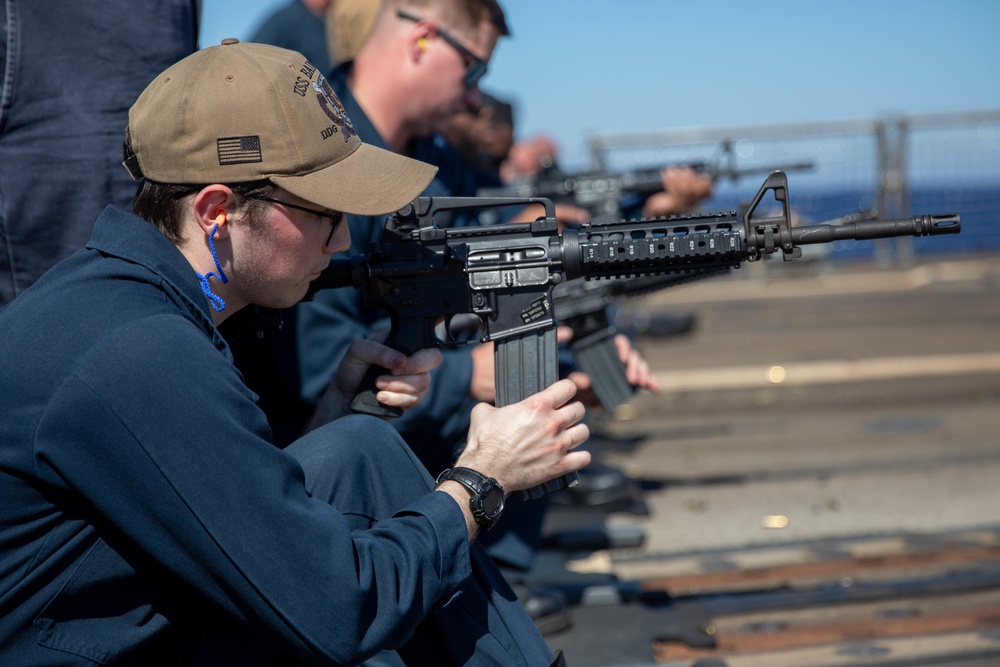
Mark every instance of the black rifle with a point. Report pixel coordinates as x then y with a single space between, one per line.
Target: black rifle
504 274
583 305
601 193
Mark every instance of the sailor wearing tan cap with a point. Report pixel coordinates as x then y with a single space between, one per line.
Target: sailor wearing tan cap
147 519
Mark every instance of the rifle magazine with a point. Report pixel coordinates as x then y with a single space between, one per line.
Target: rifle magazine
525 364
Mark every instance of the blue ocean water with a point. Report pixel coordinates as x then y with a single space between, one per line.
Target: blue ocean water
978 206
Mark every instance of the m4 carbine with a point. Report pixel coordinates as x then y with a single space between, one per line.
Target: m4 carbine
505 274
601 193
583 305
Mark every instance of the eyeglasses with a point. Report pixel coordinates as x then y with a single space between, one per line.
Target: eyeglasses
475 67
336 219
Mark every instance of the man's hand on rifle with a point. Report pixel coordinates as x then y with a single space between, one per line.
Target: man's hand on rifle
528 443
683 188
404 386
636 367
637 370
566 214
483 387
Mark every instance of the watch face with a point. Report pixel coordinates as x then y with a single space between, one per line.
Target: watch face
492 498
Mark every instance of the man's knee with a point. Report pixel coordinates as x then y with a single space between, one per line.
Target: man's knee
359 455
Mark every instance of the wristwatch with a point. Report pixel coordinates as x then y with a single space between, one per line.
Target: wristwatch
486 494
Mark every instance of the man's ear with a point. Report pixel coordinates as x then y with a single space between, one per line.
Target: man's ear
418 36
214 205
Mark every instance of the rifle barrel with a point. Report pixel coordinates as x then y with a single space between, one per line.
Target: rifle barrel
919 225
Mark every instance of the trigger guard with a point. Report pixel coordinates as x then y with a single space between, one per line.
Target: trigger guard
459 329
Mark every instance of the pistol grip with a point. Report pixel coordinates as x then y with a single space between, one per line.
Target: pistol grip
364 401
408 334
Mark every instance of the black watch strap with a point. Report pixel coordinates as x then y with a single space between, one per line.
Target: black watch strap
486 496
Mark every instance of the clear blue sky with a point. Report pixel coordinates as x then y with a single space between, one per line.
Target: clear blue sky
575 68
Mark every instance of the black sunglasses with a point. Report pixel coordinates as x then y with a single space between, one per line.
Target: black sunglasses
475 67
336 219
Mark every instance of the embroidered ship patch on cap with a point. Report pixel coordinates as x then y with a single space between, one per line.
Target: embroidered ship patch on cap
333 109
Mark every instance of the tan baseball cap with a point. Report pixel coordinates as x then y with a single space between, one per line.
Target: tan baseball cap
348 23
245 112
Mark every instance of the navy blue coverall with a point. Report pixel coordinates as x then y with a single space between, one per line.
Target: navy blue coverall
147 519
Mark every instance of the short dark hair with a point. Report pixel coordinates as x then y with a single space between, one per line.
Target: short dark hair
493 12
161 204
469 13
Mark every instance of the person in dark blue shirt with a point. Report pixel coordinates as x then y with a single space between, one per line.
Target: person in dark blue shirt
69 72
419 66
298 25
147 518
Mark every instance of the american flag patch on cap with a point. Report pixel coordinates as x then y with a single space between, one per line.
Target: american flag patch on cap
239 150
